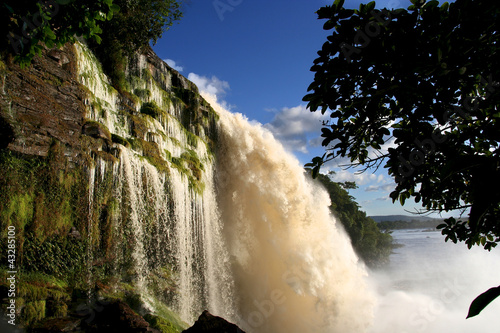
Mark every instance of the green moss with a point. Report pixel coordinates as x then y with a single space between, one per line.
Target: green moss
166 317
136 81
52 79
189 164
161 324
177 163
151 152
33 312
192 139
131 97
56 309
146 74
143 94
56 256
168 155
139 126
175 141
153 110
122 141
19 211
40 195
193 163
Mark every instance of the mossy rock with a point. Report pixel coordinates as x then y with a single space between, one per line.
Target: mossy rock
56 309
33 312
151 153
161 324
138 126
96 130
193 163
120 140
143 94
189 165
152 109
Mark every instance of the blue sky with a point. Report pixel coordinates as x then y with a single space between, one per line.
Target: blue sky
255 56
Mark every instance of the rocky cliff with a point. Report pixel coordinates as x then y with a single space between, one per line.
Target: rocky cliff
110 192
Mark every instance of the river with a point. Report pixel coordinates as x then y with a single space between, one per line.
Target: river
430 284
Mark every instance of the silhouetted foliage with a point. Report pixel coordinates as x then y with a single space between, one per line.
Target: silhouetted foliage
27 25
138 23
424 82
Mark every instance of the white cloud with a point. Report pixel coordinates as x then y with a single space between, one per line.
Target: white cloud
377 188
376 201
293 127
361 178
174 65
212 86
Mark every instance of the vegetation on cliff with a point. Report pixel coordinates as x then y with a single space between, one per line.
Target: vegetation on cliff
27 25
371 244
59 138
122 27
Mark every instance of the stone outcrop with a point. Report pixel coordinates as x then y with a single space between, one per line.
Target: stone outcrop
112 317
117 317
41 103
208 323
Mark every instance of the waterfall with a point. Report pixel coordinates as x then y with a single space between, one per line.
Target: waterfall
164 222
293 266
167 241
243 233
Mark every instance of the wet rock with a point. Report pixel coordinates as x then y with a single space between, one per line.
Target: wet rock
117 317
96 130
42 103
208 323
55 325
74 233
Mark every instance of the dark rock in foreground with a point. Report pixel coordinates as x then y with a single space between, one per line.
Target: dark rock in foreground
118 317
58 325
207 323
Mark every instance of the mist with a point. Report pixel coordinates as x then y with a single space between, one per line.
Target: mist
430 285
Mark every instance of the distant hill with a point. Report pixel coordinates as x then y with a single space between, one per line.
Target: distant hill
392 222
404 218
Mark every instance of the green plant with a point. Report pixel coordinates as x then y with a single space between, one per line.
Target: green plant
31 24
152 109
143 94
161 324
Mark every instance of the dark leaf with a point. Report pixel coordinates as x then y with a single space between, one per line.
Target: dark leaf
338 4
482 301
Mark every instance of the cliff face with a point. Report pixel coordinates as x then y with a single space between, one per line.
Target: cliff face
110 192
64 89
42 103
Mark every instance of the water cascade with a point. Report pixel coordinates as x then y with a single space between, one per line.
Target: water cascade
166 231
293 265
234 227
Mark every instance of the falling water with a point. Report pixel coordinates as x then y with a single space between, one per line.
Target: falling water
163 221
293 266
160 223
